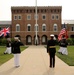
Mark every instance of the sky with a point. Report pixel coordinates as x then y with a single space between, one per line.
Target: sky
67 7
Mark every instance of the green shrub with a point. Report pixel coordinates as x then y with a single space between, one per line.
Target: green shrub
69 40
3 41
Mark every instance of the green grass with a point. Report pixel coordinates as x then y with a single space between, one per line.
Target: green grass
68 59
6 57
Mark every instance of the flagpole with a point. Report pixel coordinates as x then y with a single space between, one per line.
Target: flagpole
36 23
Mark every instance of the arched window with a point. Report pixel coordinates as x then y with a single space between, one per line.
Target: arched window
55 28
29 39
44 27
29 27
17 27
37 27
43 39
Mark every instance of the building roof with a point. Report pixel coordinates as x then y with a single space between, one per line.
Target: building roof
68 21
5 22
33 7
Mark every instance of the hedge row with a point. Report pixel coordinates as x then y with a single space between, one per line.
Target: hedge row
3 41
69 40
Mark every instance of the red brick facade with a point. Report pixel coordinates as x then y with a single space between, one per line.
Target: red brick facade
23 23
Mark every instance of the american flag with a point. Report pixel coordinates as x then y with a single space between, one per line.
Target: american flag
4 31
63 32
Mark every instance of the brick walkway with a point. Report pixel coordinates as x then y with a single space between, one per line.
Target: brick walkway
35 61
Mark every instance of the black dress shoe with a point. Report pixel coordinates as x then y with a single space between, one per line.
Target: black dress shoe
50 66
17 66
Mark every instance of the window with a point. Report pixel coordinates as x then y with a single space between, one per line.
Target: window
17 27
29 39
28 27
30 11
55 10
38 11
26 11
51 11
43 39
36 26
45 10
72 28
19 17
52 16
28 17
15 17
55 27
43 16
57 17
44 27
42 11
36 17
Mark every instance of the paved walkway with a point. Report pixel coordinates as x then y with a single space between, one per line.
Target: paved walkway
35 61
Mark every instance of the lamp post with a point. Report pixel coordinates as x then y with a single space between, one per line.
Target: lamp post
36 40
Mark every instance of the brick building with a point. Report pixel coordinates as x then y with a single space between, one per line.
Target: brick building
24 23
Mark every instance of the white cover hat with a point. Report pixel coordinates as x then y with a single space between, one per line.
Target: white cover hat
52 35
16 38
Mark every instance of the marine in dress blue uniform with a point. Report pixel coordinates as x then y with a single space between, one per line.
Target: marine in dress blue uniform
51 50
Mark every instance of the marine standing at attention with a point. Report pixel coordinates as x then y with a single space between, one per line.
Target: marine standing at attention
51 50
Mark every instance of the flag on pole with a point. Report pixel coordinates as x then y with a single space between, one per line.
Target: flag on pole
4 31
63 32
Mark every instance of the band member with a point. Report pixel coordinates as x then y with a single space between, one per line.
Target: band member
8 46
51 50
16 51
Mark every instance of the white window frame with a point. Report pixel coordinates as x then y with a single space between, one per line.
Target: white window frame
28 26
19 18
17 25
56 16
29 15
43 39
52 16
37 27
29 39
55 26
16 17
43 25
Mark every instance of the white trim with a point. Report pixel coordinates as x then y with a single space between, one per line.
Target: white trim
16 17
17 25
55 25
29 15
43 25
